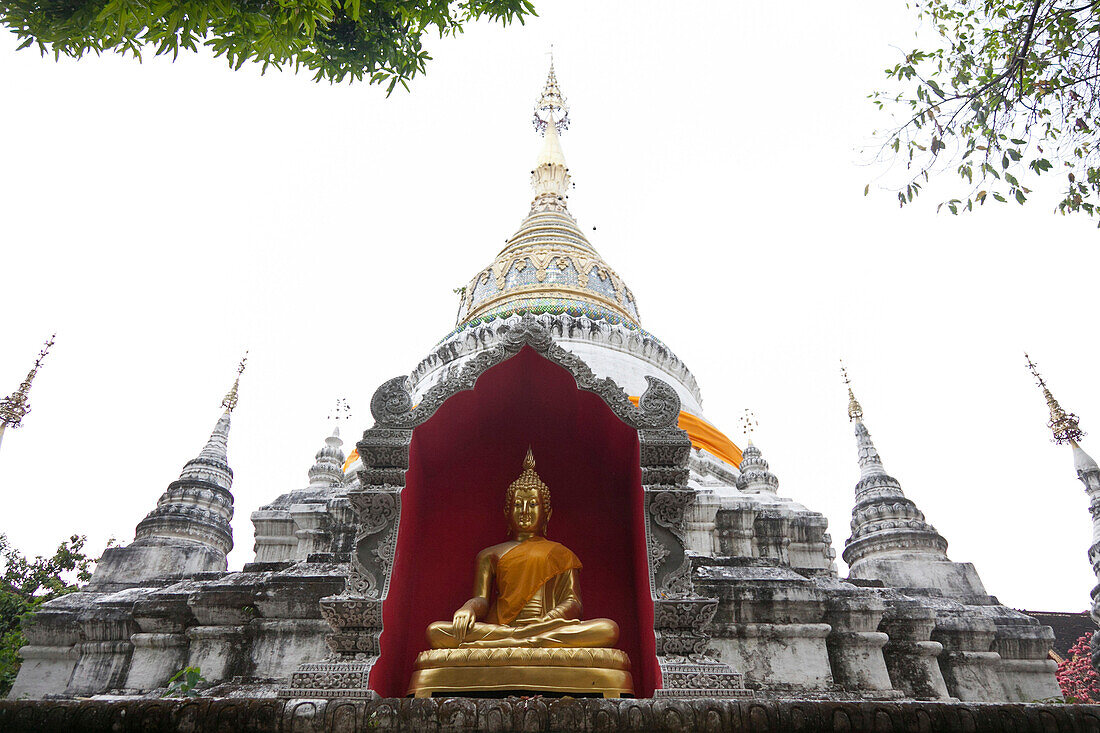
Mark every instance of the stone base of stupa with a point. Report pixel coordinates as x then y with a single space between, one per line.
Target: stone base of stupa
534 714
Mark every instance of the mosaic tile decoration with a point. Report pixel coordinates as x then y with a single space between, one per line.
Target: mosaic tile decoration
555 307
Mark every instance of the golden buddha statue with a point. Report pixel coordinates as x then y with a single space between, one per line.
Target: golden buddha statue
530 636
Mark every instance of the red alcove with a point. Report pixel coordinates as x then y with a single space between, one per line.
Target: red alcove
462 460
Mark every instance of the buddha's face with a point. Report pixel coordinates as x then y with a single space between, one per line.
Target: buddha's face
526 513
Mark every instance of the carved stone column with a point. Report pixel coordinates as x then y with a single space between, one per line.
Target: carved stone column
772 535
911 657
855 643
681 616
735 531
53 647
969 666
1026 670
355 615
161 646
105 650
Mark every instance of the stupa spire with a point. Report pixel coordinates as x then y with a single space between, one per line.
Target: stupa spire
870 462
1064 425
855 410
182 513
550 178
189 531
216 449
230 400
1066 428
548 265
884 520
551 105
15 406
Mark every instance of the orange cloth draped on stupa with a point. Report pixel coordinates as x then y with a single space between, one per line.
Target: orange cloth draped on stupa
703 435
524 569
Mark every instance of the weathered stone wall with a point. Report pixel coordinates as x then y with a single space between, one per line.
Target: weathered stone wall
536 715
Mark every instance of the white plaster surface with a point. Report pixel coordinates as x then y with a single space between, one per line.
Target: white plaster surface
45 670
778 654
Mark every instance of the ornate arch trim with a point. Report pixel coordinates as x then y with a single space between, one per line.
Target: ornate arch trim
659 406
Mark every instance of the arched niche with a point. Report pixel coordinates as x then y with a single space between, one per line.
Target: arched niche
460 462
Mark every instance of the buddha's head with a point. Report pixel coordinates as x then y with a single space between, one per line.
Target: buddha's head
527 503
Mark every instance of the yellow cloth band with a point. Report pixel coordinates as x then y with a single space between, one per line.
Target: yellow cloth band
705 436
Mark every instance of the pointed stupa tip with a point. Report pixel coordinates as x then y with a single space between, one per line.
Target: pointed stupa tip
218 444
551 178
855 410
551 109
15 406
1065 426
334 440
230 400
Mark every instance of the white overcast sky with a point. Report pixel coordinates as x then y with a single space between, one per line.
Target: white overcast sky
164 217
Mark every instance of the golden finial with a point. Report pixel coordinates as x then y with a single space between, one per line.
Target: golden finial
15 407
529 460
748 424
1064 425
855 411
551 107
230 401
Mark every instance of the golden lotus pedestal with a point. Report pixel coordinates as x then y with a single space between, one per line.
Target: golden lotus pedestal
589 671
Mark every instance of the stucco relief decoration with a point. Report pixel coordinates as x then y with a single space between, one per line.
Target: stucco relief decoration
390 400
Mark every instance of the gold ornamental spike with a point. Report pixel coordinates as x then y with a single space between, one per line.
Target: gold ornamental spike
551 107
1065 426
855 410
529 460
230 401
15 406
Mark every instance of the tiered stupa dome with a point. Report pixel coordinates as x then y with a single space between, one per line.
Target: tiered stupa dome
548 266
549 269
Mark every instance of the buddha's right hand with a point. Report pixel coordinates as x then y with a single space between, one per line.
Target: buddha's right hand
463 621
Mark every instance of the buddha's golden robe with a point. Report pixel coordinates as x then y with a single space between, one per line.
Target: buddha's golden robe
522 575
537 604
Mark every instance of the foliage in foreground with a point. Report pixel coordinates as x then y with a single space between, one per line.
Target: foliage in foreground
185 683
381 41
25 585
1009 93
1076 677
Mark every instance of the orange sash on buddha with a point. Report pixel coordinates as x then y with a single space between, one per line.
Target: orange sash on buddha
526 568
